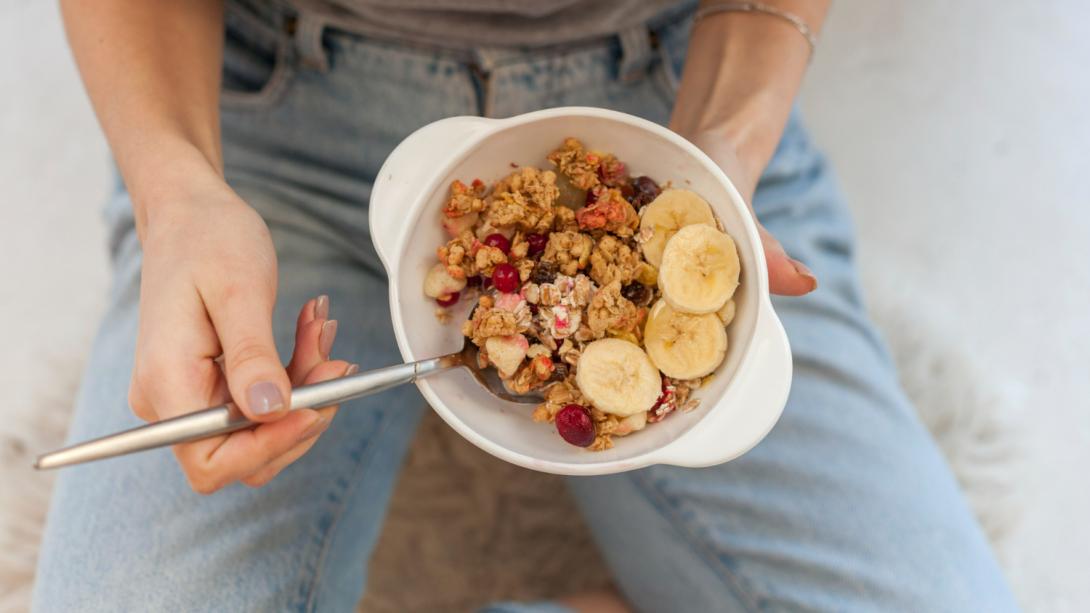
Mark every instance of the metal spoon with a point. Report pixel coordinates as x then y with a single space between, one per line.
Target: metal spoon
228 418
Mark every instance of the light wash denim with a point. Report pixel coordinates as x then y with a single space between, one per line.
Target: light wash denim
846 506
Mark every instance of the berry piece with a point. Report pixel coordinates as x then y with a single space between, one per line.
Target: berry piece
575 426
664 405
449 299
544 272
645 190
637 293
506 278
593 194
536 243
498 241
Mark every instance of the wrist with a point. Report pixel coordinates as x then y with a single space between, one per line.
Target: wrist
741 76
176 175
751 130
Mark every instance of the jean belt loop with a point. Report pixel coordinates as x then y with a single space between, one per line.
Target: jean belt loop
308 41
636 53
484 58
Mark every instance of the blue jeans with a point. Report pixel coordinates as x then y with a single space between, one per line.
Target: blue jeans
846 506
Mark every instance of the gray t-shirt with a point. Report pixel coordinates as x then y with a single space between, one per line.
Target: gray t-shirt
495 23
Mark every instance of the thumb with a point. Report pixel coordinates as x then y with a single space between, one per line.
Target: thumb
786 276
256 377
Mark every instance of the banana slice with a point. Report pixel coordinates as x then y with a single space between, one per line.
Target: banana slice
683 345
726 314
699 271
618 377
671 211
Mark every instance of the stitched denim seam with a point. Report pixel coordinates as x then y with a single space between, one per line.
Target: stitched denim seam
327 538
658 500
271 92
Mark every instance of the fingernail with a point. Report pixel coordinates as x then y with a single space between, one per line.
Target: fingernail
352 369
264 398
803 270
321 307
325 339
319 426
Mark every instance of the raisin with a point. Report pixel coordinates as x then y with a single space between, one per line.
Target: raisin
645 190
560 370
544 272
637 293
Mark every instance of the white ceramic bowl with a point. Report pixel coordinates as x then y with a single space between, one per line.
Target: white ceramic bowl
738 406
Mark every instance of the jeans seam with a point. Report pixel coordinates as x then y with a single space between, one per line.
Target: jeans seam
659 501
271 92
327 539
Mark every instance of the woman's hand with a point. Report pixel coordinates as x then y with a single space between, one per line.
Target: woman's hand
208 281
208 287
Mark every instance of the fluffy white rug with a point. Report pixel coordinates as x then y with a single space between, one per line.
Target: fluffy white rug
24 492
973 417
970 418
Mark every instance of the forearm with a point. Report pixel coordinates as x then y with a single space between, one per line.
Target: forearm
152 70
742 73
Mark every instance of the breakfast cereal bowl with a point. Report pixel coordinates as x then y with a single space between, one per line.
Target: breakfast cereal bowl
739 403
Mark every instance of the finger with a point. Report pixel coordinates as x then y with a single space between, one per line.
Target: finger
786 276
315 308
323 372
242 316
313 344
139 404
209 467
314 340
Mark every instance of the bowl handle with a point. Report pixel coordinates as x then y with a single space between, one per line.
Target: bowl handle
406 173
760 392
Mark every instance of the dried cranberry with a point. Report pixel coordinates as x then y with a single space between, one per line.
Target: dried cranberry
638 293
544 272
645 190
449 299
506 278
575 426
592 195
628 190
536 243
664 405
498 241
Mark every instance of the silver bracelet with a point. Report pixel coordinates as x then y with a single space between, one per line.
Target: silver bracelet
760 7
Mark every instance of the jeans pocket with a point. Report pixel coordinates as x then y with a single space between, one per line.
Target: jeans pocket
258 64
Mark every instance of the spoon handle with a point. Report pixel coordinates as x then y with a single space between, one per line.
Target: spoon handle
227 417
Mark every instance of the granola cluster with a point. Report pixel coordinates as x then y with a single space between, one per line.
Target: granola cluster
552 258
